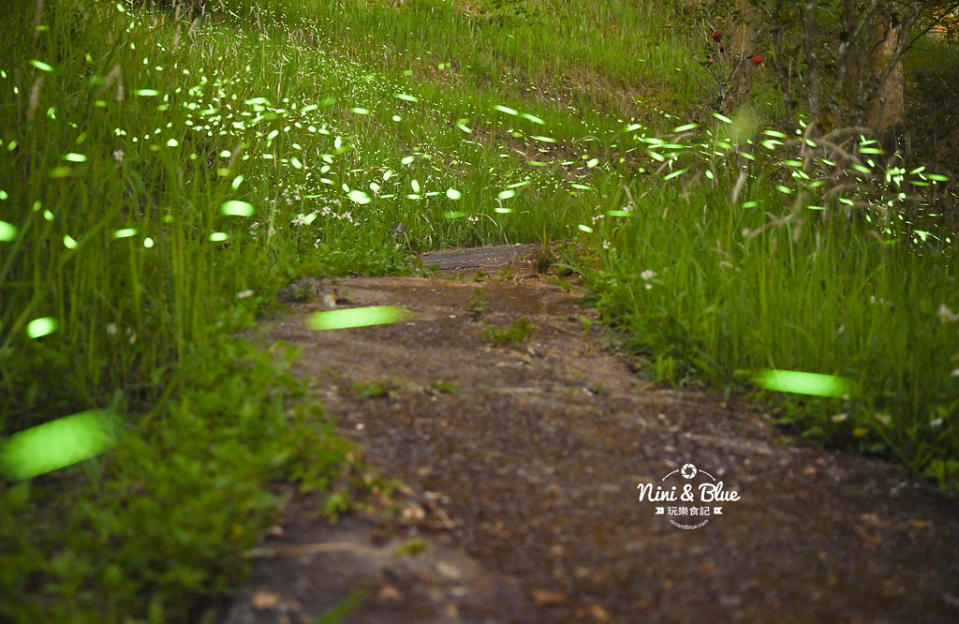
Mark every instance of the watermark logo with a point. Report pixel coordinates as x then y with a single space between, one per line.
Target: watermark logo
690 497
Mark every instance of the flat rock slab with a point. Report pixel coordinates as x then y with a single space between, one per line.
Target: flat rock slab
361 568
523 463
490 257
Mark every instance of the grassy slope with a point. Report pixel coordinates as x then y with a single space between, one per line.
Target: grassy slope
334 122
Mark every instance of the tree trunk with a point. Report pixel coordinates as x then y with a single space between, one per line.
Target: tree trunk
887 112
743 46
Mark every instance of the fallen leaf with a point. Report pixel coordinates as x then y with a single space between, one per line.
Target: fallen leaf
448 570
265 600
872 519
543 598
389 593
413 513
599 613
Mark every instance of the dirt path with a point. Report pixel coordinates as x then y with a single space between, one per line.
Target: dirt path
523 465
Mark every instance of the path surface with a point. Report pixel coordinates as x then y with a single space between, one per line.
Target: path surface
523 463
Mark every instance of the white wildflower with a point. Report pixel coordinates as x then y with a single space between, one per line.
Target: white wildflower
243 294
304 219
647 275
946 315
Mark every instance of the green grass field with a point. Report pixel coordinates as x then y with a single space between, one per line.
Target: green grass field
161 179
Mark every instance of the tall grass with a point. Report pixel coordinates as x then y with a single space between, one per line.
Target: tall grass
161 180
602 58
123 142
790 260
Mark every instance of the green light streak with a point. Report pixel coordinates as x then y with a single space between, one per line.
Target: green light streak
37 328
235 208
357 317
803 383
57 444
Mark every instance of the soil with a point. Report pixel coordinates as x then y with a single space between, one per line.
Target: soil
521 466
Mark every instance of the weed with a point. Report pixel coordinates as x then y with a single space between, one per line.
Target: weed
477 302
442 387
506 274
514 335
586 323
344 607
376 389
410 548
566 285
